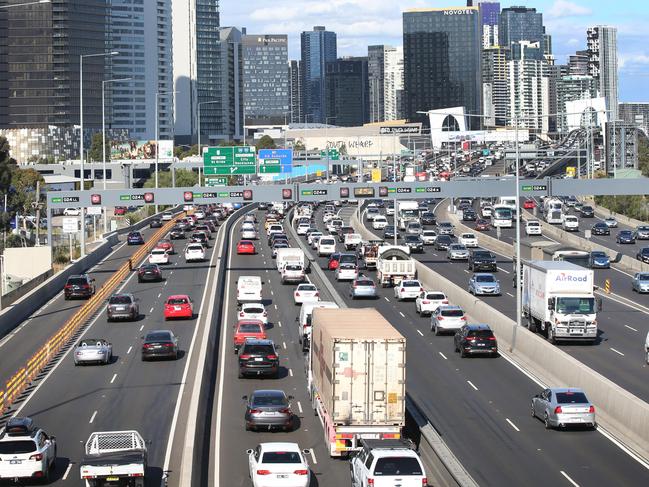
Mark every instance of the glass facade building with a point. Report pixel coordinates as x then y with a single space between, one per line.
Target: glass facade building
490 18
347 92
319 46
295 79
442 61
522 24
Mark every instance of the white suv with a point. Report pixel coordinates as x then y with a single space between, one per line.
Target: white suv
26 451
387 462
428 301
408 289
326 246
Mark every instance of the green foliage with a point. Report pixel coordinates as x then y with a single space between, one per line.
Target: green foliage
13 240
7 165
643 155
266 142
24 182
185 178
632 206
96 153
182 151
61 255
228 143
298 146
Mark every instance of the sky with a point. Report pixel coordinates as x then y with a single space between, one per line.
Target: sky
359 23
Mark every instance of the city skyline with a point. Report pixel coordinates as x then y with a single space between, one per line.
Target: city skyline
567 22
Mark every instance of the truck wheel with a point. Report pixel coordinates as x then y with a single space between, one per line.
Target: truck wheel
551 337
531 324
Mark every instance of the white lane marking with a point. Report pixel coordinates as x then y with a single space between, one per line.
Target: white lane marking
471 384
501 269
284 345
151 310
568 478
465 270
272 293
386 298
510 295
617 351
630 327
512 424
142 328
420 333
166 282
299 407
159 294
313 455
129 350
279 323
402 315
443 356
290 372
266 271
275 306
171 272
113 379
434 254
67 471
92 418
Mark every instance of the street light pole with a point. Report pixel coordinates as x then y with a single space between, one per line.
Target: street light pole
157 136
517 255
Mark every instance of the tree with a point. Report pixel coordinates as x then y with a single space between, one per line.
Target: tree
185 178
96 152
228 143
298 146
266 142
7 165
182 151
643 155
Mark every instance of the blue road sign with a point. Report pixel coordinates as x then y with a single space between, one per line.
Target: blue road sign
284 156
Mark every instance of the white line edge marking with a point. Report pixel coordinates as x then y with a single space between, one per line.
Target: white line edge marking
568 478
630 327
67 471
512 424
290 372
443 356
129 350
617 351
279 323
402 315
299 406
92 418
420 333
315 460
151 310
142 328
113 379
510 295
471 384
386 298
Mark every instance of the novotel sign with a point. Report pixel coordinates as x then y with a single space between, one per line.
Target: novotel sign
459 12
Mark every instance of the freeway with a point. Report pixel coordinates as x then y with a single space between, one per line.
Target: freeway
481 409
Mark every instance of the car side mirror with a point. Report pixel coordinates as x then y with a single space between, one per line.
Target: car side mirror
306 451
245 398
249 451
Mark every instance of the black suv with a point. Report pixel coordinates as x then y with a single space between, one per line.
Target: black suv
177 232
587 211
414 243
258 357
469 215
80 286
155 223
443 241
482 260
428 218
475 339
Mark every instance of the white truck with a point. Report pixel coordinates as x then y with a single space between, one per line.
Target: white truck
407 211
356 375
114 458
291 255
559 300
394 264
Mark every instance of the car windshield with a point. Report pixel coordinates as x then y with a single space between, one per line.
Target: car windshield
177 301
365 283
17 447
600 225
626 233
429 233
468 235
643 228
293 267
327 241
457 247
452 313
120 300
412 238
598 254
253 309
645 251
91 342
481 255
158 337
435 296
249 328
571 397
281 457
485 278
259 349
643 277
269 399
158 252
397 466
583 306
195 247
348 259
480 334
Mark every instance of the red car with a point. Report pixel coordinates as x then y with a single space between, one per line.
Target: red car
120 211
246 247
247 329
334 262
166 244
482 225
529 204
179 306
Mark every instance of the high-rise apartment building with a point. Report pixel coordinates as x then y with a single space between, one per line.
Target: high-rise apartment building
385 68
489 19
227 120
295 90
635 113
145 56
318 46
578 63
495 86
554 73
265 78
347 93
602 64
441 49
529 89
572 88
522 24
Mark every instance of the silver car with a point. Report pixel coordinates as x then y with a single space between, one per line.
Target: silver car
428 237
484 283
611 222
457 252
561 407
123 306
93 350
413 228
362 287
447 319
268 409
445 228
640 282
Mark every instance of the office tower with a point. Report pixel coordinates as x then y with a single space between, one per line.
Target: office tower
265 78
578 63
227 120
572 88
529 89
522 24
347 93
554 73
635 114
42 43
141 32
489 19
295 91
495 86
385 71
318 47
547 44
196 54
602 64
441 49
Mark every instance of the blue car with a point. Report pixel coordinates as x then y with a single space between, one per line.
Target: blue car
134 238
599 260
625 237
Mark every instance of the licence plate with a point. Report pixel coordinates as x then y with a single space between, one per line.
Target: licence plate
370 436
112 479
258 359
177 308
481 344
282 475
15 462
576 331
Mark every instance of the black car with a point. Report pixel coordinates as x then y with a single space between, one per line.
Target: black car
443 241
587 211
258 357
625 237
177 233
134 238
482 260
79 286
428 218
414 243
200 237
149 273
160 344
469 215
600 228
475 339
388 233
155 223
643 255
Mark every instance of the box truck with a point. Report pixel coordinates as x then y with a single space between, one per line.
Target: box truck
356 377
559 301
407 211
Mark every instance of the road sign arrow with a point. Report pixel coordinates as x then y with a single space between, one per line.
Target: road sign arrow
232 169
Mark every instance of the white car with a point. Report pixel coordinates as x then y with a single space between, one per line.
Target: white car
188 207
248 234
533 227
372 213
292 273
383 463
302 228
486 211
26 451
166 216
278 464
274 228
306 292
200 214
311 236
428 301
194 253
570 223
379 222
408 289
346 272
389 210
246 225
159 256
72 212
253 311
327 216
428 237
334 224
468 240
326 246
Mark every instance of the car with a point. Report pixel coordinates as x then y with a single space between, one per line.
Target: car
600 228
559 407
276 237
167 216
599 260
302 228
570 201
469 215
444 228
72 212
326 246
486 211
79 286
408 289
155 223
475 339
533 227
94 351
643 255
246 247
570 223
334 261
642 232
119 211
160 344
178 306
611 222
484 284
625 237
587 211
372 213
167 245
278 464
205 228
482 260
379 222
312 235
201 238
442 242
640 282
194 252
469 240
414 243
148 273
387 462
389 232
177 232
413 228
292 273
306 292
457 251
529 204
123 306
268 409
248 328
362 287
428 301
447 318
428 218
27 453
482 225
134 238
428 237
258 357
279 244
253 311
346 272
158 256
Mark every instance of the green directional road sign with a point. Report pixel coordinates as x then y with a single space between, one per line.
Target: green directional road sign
227 161
269 166
220 181
334 155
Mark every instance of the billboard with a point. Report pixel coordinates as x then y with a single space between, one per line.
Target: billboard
141 149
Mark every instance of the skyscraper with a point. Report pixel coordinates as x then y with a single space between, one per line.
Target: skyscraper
145 56
529 88
572 88
442 61
347 92
495 86
226 122
385 72
522 24
602 64
295 78
578 63
636 113
319 46
489 20
265 78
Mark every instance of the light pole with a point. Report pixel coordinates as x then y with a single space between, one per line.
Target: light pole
83 183
327 144
103 132
198 123
157 136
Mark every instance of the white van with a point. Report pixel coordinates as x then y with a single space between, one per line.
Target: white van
326 246
290 255
304 320
249 289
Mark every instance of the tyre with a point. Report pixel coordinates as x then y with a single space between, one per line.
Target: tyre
546 421
532 413
462 353
551 337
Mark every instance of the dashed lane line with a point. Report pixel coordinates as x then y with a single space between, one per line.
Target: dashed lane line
471 384
512 424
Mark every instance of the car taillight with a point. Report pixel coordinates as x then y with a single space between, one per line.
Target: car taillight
271 357
403 290
421 289
285 411
265 314
463 318
37 457
245 356
424 482
263 472
317 294
67 286
558 410
168 344
492 338
86 286
370 482
591 409
297 294
255 411
445 301
146 345
301 472
241 313
425 301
